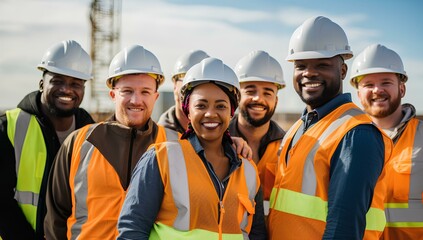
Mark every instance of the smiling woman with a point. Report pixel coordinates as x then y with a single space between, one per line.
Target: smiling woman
197 187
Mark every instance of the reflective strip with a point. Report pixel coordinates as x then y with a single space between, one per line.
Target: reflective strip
21 128
313 207
22 124
416 175
249 175
396 205
180 187
171 135
179 179
410 214
26 197
301 204
404 214
309 182
81 185
161 231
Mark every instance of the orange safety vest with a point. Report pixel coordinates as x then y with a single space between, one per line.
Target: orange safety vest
404 204
191 208
299 199
267 168
96 201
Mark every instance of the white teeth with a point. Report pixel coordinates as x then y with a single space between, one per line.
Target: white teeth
257 108
136 109
311 85
210 125
379 99
65 98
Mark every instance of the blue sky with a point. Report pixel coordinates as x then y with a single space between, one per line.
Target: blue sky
224 29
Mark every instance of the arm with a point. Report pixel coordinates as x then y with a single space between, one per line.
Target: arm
242 148
258 228
355 169
143 200
58 198
13 224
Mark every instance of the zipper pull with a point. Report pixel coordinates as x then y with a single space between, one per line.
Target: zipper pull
221 213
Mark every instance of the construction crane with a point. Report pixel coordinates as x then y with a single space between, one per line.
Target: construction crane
105 18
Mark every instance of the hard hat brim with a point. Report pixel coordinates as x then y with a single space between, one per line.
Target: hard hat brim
65 72
318 54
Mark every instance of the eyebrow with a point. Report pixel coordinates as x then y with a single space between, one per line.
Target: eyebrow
255 87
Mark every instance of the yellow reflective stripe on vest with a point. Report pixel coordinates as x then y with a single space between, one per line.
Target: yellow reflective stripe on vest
30 156
161 231
315 208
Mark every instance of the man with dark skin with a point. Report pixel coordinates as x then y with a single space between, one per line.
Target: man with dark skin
31 134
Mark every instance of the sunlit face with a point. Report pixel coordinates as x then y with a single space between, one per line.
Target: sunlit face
258 102
317 81
209 112
380 94
61 95
134 97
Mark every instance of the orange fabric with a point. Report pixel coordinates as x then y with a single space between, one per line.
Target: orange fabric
203 199
398 181
267 168
290 176
105 194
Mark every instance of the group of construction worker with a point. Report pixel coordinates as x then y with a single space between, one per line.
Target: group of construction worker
215 165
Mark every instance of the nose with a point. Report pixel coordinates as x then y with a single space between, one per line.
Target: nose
210 113
377 88
309 72
255 97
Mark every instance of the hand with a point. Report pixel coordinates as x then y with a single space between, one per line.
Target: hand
242 148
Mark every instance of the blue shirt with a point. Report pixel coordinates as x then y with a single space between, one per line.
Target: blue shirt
354 170
145 194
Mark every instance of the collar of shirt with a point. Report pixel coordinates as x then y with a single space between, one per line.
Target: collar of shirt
327 108
234 161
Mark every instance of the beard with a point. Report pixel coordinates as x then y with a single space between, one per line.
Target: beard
58 112
394 103
257 122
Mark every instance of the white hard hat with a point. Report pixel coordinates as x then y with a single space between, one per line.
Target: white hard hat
260 66
186 61
376 58
318 37
132 60
67 58
211 70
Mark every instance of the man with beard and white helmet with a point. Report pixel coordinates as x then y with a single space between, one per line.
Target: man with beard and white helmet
31 134
261 77
379 76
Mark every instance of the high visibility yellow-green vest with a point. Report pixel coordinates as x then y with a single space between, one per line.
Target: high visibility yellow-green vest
30 153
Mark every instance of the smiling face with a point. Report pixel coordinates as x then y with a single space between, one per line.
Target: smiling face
209 112
61 95
258 102
134 96
380 94
317 81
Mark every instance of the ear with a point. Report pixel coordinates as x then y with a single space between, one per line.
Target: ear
112 94
277 100
41 85
344 70
402 89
